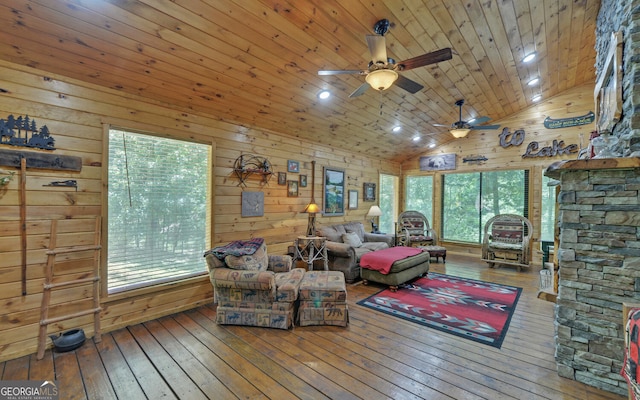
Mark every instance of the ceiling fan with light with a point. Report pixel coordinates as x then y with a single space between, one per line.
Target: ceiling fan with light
460 128
383 71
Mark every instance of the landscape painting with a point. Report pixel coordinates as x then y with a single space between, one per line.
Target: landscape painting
333 191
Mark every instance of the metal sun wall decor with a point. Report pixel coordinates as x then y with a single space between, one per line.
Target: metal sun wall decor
23 131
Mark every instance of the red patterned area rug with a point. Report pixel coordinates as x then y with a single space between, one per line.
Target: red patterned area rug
476 310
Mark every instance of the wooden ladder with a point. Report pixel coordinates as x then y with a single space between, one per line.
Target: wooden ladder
49 285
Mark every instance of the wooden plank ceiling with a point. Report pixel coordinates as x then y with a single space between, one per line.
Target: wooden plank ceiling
255 63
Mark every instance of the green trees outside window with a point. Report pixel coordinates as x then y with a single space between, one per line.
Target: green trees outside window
469 200
419 195
158 222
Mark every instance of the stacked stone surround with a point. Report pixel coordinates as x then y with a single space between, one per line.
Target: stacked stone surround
599 268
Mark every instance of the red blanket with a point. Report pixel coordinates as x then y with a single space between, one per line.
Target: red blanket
381 260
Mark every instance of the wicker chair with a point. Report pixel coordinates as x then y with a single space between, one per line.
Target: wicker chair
507 240
413 228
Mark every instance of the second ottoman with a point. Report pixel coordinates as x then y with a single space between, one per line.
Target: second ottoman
323 299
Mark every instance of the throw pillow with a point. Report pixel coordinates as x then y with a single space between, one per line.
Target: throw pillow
352 239
258 261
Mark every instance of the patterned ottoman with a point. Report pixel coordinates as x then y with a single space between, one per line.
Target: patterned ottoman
437 252
323 299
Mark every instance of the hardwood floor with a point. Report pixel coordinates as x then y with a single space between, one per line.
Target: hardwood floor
188 356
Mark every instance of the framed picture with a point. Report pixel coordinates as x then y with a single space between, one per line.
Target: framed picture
282 178
353 199
303 181
608 91
369 190
439 162
252 204
333 194
292 188
293 166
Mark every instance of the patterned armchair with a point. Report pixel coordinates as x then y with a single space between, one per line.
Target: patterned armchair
413 228
251 287
507 240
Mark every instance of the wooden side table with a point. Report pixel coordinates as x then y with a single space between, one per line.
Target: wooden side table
310 249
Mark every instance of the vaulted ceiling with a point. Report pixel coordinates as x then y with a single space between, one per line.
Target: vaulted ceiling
255 62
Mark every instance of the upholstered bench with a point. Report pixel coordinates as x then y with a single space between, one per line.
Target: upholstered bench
410 265
323 299
437 252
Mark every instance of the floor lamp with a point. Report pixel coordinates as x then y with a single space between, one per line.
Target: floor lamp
312 208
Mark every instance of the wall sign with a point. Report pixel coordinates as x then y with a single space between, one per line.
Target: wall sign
511 139
438 162
516 138
556 149
551 123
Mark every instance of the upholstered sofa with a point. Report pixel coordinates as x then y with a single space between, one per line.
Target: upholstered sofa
252 287
347 242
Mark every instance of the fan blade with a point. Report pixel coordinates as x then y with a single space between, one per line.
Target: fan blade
479 120
363 88
377 48
343 71
408 85
487 127
426 59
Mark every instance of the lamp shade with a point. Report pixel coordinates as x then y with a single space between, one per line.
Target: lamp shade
374 211
312 208
381 79
459 133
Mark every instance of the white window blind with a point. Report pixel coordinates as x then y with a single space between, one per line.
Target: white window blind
157 209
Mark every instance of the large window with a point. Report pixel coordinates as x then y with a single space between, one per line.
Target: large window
548 206
469 200
419 195
388 202
158 227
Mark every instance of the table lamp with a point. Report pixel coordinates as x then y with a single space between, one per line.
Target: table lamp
374 212
312 208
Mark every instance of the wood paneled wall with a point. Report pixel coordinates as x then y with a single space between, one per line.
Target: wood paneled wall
76 113
572 103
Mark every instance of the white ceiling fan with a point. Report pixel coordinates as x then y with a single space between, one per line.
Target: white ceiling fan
382 71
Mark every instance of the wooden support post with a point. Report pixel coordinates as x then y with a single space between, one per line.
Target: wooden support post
23 223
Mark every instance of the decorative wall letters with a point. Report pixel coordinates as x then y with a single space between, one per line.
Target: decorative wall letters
511 139
557 149
516 138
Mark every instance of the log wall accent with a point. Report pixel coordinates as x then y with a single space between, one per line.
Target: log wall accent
574 102
76 114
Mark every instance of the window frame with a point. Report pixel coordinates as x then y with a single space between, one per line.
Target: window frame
161 132
528 175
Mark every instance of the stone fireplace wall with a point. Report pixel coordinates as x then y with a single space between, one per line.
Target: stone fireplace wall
599 259
599 220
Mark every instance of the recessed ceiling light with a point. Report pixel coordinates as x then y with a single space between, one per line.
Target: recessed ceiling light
529 57
396 129
471 121
416 138
536 98
533 81
432 145
325 94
